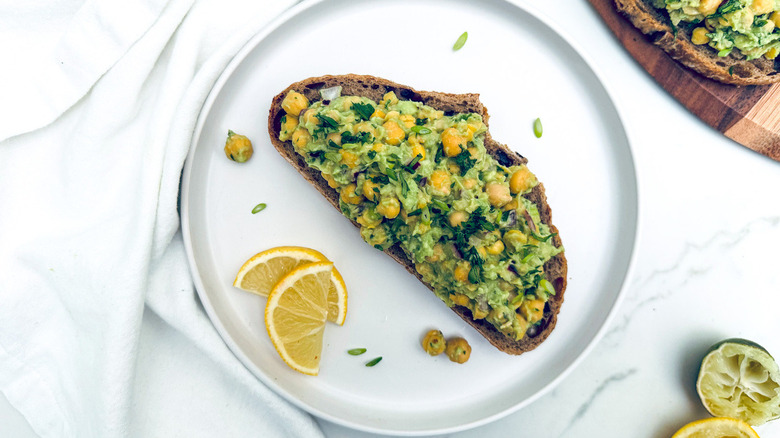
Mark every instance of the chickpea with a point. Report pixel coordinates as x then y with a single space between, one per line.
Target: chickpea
301 138
389 207
532 310
461 272
513 204
289 123
514 239
708 7
496 248
331 181
433 343
458 217
520 180
238 147
440 182
349 159
335 137
452 142
294 103
370 218
368 190
498 194
479 312
460 300
349 196
389 98
310 117
438 253
418 150
407 120
393 133
763 6
365 127
458 350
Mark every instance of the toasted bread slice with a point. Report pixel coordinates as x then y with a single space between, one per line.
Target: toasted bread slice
374 88
733 69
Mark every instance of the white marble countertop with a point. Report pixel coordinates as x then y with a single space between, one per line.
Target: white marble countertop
706 268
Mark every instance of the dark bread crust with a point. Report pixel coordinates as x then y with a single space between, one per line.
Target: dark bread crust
733 69
374 88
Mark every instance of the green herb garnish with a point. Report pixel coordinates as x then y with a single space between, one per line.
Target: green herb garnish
356 351
725 52
373 361
327 122
259 207
361 137
461 41
379 179
464 161
363 110
726 8
420 122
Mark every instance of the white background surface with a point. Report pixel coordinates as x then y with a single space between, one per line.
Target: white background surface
706 266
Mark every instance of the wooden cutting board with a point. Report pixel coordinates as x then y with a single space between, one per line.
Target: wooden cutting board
748 115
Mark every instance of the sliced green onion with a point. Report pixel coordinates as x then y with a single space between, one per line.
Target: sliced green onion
725 52
333 156
547 286
391 174
421 130
373 361
441 205
461 41
259 207
538 127
426 216
356 351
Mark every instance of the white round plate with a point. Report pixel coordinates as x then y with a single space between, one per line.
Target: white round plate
523 68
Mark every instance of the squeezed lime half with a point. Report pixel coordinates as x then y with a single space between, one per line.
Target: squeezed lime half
740 379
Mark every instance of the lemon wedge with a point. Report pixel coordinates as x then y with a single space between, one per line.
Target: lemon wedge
719 427
262 271
295 315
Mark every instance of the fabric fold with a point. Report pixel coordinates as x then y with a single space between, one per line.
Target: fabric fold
101 330
98 35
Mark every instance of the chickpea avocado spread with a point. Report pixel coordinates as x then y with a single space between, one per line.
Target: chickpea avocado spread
732 41
749 26
421 179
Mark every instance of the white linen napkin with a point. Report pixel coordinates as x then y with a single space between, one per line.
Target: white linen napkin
101 331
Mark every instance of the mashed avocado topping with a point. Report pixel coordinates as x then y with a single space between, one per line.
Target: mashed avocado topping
749 26
414 176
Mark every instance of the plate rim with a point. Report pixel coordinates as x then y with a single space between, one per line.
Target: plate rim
268 381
